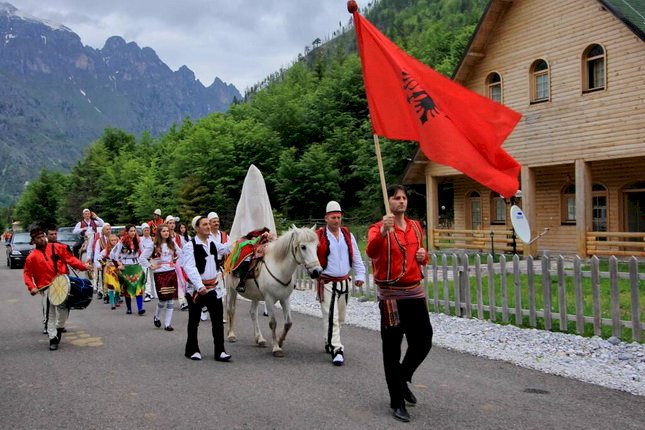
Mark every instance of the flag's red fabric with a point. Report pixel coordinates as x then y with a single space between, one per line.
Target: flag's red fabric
453 125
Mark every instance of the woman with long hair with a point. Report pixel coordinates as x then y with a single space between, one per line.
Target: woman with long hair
131 277
163 263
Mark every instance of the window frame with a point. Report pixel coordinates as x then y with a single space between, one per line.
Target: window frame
534 75
472 197
567 195
495 199
490 85
586 59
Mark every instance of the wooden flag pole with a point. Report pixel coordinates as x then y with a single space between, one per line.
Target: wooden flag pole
379 161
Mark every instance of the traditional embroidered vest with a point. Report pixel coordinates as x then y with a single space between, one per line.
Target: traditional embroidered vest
224 236
323 246
201 256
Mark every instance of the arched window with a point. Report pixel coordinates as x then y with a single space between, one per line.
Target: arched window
599 207
494 87
593 68
540 86
474 208
568 204
498 209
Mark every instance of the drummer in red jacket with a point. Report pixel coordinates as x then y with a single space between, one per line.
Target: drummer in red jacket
40 271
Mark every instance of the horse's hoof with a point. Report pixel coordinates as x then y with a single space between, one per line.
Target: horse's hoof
262 343
232 339
278 353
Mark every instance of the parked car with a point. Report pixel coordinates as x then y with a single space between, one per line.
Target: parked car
18 249
68 238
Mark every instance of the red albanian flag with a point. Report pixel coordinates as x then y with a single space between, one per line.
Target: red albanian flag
453 125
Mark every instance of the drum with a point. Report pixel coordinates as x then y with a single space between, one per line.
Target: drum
58 290
75 293
80 293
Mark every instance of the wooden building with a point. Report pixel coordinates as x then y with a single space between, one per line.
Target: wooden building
575 70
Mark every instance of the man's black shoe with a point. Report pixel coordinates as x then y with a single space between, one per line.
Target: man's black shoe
241 287
401 413
409 396
53 344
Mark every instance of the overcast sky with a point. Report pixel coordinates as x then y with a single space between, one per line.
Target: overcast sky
239 41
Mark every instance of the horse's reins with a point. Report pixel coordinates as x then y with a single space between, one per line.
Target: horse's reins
295 257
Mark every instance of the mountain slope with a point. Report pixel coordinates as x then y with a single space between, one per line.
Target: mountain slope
57 95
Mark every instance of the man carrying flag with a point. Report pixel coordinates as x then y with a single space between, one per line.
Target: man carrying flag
454 126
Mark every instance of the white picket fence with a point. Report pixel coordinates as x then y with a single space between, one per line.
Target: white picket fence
539 289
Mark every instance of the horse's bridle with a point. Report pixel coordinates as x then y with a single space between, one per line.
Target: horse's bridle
293 247
307 264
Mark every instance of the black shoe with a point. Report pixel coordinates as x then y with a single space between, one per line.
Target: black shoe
53 344
106 300
99 295
223 357
241 287
169 328
129 311
409 396
141 312
157 322
401 413
63 330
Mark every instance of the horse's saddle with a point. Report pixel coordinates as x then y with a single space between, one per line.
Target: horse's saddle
247 249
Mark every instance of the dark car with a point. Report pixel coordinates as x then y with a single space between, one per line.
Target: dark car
68 238
18 249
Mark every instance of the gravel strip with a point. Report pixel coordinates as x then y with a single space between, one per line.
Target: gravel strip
610 363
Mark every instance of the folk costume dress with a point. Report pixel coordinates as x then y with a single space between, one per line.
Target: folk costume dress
147 243
131 277
166 279
110 277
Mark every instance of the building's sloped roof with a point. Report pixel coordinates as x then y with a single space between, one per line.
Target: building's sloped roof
630 12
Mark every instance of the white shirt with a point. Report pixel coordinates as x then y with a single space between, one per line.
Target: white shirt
99 245
338 259
165 262
124 255
78 229
210 271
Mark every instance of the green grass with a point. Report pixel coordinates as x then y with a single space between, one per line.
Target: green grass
624 289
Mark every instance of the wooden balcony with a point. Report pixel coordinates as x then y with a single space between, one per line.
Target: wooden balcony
480 240
616 243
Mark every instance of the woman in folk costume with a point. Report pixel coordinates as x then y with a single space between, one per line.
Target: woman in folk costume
164 256
110 272
131 277
101 243
183 234
171 222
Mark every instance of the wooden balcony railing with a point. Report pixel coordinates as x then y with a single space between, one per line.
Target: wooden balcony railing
616 243
481 240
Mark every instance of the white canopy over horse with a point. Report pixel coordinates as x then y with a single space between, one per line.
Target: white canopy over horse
253 211
274 282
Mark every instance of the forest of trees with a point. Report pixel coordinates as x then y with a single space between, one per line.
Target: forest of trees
306 128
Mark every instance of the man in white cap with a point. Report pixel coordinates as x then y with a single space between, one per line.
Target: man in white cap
147 243
199 261
219 235
155 222
88 228
338 254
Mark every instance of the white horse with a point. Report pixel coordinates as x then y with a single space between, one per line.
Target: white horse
274 282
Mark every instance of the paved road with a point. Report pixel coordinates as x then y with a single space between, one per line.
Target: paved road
117 371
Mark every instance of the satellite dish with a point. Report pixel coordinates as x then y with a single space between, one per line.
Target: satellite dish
520 224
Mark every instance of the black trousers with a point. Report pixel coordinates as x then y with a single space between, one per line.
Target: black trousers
415 326
216 310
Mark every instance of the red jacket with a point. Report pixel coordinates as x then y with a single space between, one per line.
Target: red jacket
39 266
393 256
